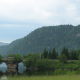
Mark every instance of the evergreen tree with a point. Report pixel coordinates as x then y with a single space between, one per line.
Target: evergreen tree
74 55
54 54
65 52
45 54
0 58
79 57
49 54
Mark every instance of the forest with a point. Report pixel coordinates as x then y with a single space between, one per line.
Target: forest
49 62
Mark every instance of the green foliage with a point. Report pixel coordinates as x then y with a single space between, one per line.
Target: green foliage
31 59
55 77
74 55
1 58
53 54
65 52
45 54
45 64
63 58
17 57
50 62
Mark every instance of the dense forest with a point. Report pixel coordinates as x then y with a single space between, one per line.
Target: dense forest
50 62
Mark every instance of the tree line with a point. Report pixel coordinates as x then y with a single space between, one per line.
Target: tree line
50 61
65 54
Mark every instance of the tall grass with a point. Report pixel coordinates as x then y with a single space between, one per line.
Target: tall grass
59 77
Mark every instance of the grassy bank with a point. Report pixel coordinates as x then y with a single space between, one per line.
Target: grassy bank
59 77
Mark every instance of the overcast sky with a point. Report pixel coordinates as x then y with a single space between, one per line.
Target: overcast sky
19 17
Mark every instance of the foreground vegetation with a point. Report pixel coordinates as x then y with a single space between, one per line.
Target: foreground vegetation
50 62
59 77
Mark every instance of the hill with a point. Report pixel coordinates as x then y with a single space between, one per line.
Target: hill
2 44
46 37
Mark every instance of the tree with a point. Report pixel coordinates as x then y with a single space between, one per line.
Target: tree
63 58
17 57
54 54
74 55
79 57
31 62
0 58
31 59
45 54
49 54
66 53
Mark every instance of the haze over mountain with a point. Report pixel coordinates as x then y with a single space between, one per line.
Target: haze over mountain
46 37
2 44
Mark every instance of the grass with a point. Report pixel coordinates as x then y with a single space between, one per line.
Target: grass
59 77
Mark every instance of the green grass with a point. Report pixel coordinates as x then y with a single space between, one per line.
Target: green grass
59 77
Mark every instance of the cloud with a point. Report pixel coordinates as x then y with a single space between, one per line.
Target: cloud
44 12
10 32
19 17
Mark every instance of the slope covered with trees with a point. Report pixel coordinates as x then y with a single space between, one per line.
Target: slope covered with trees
46 38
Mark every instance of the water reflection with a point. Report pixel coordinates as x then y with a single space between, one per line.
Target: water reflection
21 68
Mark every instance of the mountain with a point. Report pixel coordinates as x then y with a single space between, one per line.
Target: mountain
46 37
2 44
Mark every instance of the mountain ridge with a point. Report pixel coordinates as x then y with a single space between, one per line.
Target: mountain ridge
45 37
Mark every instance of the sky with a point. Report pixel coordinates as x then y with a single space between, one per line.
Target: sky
19 17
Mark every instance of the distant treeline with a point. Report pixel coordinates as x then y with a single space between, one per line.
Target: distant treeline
50 62
65 54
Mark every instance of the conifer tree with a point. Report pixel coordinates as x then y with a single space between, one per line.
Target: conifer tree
66 53
54 54
45 53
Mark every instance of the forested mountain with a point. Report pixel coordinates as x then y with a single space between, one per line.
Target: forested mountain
46 37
